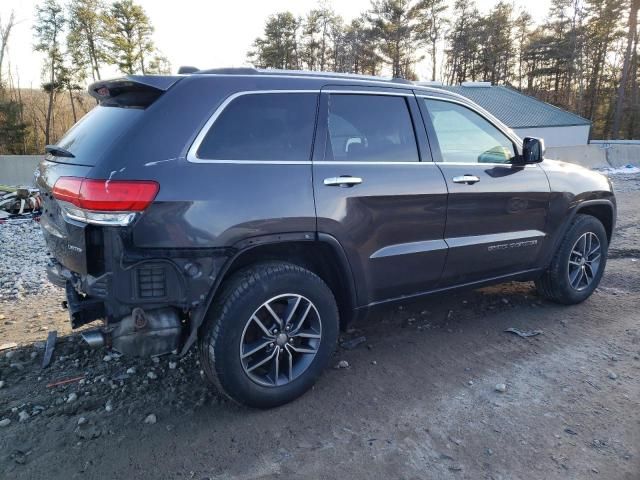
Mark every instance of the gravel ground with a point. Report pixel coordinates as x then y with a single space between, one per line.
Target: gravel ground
22 263
437 390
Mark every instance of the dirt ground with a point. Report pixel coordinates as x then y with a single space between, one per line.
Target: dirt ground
418 401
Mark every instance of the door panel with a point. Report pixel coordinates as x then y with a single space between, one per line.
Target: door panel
496 226
391 224
497 208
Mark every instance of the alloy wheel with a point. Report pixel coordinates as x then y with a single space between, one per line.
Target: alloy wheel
584 261
280 340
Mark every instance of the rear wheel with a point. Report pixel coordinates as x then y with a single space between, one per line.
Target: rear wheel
270 334
578 265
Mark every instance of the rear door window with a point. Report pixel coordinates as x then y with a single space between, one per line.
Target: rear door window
368 127
263 127
95 132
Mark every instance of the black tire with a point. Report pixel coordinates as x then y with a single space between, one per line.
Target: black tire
242 296
555 283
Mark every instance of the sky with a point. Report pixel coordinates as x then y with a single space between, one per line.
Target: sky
203 33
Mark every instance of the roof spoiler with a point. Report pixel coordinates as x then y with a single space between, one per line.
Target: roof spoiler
131 91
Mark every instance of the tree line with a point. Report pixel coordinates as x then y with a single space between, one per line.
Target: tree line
583 57
78 40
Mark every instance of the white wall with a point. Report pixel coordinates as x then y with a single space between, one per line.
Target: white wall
18 170
557 136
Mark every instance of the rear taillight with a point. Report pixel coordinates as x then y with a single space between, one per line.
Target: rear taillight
104 201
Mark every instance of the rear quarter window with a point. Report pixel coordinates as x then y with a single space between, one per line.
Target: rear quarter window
88 139
263 127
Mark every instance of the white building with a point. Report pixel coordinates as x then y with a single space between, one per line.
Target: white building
527 116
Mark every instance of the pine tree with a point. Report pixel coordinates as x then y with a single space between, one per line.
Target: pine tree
129 37
48 28
431 24
87 37
278 47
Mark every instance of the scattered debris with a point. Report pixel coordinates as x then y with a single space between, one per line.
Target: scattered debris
570 432
524 334
501 387
72 397
353 343
65 381
23 416
342 364
82 420
173 365
151 419
612 375
152 375
131 371
5 422
49 347
1 383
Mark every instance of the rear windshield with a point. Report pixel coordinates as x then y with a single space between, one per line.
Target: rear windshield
94 133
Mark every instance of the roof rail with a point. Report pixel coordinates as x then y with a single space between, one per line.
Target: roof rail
231 71
187 69
401 80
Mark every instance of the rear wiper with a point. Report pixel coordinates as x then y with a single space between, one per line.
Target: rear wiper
58 152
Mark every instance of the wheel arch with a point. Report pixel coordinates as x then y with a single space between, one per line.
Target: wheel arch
603 210
321 254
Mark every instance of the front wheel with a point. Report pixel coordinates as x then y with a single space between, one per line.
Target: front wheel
270 334
577 267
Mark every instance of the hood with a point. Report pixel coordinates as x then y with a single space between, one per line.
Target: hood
570 177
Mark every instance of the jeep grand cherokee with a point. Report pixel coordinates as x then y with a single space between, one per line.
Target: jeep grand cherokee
257 212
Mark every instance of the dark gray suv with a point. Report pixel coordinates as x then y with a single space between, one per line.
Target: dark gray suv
258 212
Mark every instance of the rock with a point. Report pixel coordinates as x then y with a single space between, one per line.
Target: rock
1 383
612 375
5 422
353 343
155 360
342 364
23 416
151 419
173 365
72 397
87 431
108 406
131 371
501 387
82 421
470 383
152 375
17 366
34 355
6 346
505 301
107 358
373 362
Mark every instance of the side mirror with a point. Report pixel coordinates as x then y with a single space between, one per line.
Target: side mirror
532 150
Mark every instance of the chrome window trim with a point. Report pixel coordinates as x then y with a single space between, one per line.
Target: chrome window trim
368 92
355 162
195 145
501 127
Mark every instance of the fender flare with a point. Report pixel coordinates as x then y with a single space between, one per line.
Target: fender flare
247 245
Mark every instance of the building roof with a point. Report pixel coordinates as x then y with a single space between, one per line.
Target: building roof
516 109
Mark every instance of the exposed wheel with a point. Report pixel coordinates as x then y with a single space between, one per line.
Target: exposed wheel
270 334
578 265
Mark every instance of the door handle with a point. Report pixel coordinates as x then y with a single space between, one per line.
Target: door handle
468 179
342 181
